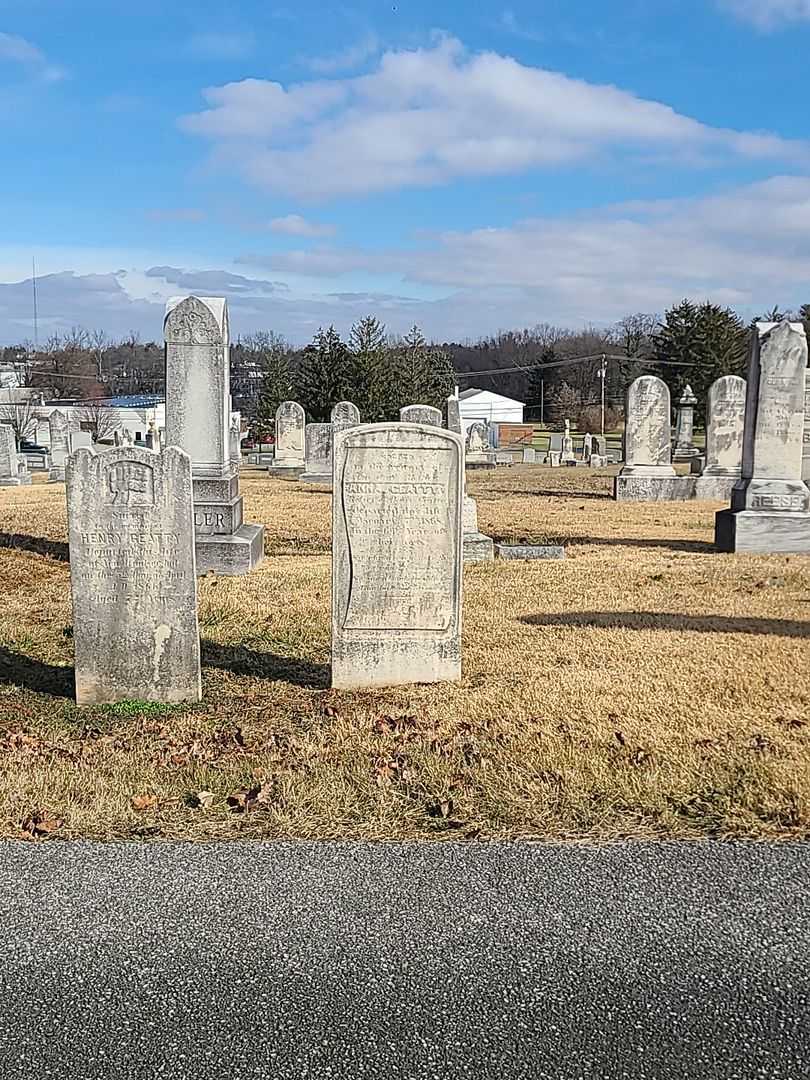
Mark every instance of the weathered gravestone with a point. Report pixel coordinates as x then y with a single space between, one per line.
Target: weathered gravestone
568 457
806 434
770 504
198 420
58 425
396 556
288 461
318 443
12 471
647 473
420 414
725 423
80 440
344 415
685 450
529 455
480 454
133 576
477 546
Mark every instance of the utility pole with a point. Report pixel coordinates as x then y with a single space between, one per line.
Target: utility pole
602 374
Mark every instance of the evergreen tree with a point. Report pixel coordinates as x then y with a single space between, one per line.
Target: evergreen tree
417 373
325 375
273 361
696 344
369 360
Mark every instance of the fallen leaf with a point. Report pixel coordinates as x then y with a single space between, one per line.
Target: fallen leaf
40 824
620 739
204 799
143 802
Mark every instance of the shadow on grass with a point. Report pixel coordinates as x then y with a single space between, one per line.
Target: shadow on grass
558 494
54 549
699 547
666 620
25 672
240 660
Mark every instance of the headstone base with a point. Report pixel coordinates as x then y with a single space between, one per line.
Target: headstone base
478 548
529 551
715 488
236 554
760 532
218 517
654 488
286 472
685 453
57 474
480 461
12 481
321 479
697 465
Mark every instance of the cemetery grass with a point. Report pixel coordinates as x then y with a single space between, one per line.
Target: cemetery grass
643 687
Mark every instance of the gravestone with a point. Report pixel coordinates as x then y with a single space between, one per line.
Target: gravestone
529 455
647 474
344 415
58 425
725 424
133 577
43 433
127 438
198 420
396 556
568 457
454 416
288 462
478 547
587 447
420 414
10 459
685 450
236 439
80 440
770 504
318 444
806 433
480 454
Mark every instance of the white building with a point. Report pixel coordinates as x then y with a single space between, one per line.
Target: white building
486 405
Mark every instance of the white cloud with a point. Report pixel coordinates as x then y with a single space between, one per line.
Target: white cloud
16 50
347 59
221 46
768 14
429 116
749 248
295 225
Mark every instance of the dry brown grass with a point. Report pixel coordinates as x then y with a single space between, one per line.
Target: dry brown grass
645 686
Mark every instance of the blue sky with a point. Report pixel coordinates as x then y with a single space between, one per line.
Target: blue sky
471 168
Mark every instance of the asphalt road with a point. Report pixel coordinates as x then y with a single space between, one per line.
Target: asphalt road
404 961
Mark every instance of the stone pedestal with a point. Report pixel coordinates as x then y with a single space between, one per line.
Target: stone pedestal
770 504
685 427
477 546
480 460
199 421
639 488
714 488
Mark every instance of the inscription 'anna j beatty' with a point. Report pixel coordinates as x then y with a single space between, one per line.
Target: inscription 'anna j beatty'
133 578
396 555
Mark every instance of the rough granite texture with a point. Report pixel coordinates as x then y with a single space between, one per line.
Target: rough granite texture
396 556
420 414
133 576
647 449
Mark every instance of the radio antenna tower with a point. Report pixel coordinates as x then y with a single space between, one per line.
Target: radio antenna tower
34 289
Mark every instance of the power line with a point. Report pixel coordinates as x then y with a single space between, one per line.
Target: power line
574 360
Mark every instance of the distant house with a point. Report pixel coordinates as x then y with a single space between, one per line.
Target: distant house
476 405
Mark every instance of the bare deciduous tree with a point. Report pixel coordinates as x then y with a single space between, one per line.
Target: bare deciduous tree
100 420
22 419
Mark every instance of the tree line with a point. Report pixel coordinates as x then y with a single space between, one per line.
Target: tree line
554 370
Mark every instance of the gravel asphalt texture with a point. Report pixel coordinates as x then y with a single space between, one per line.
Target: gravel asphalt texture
634 961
